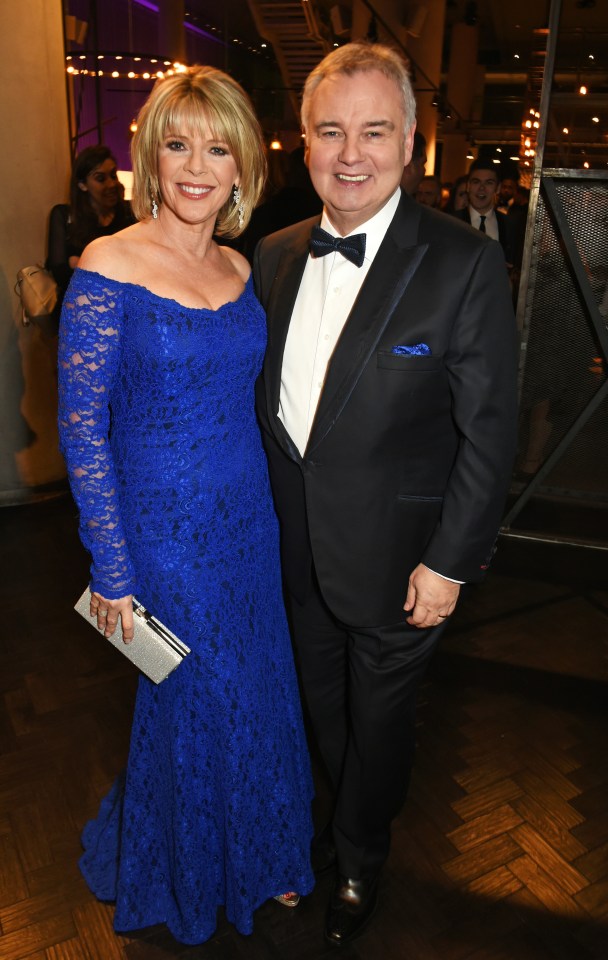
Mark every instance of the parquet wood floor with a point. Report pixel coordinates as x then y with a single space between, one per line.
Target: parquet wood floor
501 852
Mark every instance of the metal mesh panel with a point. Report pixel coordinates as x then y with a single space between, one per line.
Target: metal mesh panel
564 365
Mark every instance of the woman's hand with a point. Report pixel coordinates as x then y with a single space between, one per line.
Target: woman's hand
108 613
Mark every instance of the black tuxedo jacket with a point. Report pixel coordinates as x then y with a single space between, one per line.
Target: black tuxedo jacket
504 231
409 457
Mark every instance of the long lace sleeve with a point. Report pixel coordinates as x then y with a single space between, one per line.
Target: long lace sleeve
89 355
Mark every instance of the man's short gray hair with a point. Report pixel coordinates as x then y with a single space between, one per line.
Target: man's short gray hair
361 57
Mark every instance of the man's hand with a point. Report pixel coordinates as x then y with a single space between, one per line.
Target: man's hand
430 598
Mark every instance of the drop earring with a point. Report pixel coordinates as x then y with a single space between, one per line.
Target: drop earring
154 209
236 196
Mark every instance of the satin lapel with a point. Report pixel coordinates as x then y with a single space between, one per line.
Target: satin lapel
280 306
394 266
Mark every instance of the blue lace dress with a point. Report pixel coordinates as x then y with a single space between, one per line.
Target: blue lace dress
175 507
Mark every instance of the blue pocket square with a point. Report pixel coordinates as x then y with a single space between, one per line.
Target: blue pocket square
416 350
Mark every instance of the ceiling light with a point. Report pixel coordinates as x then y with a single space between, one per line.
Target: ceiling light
582 90
595 119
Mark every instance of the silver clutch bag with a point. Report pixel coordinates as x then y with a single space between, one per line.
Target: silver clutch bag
154 649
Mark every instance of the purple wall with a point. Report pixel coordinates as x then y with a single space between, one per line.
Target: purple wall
132 30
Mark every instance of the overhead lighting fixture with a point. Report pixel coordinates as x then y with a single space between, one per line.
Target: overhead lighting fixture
582 90
595 119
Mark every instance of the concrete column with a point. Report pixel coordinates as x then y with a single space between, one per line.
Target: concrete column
34 171
461 88
171 34
426 51
418 26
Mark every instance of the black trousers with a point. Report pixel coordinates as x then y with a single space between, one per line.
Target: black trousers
360 686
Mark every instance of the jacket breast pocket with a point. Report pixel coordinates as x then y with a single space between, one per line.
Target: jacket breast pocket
411 363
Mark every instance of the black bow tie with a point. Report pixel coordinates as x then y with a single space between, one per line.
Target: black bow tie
353 248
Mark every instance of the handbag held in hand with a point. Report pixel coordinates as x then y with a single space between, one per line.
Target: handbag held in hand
154 649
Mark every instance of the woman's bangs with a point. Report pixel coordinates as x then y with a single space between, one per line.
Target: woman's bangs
193 116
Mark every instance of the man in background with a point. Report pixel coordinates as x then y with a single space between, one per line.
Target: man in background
429 192
416 168
482 186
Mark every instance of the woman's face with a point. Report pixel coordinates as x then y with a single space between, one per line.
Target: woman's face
461 199
103 187
196 174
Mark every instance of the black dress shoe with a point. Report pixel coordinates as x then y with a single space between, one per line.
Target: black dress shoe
323 852
352 905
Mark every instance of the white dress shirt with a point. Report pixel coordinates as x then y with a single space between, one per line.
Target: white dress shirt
328 290
491 221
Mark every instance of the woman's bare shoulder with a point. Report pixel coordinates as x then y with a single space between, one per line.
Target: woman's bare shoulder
237 261
113 256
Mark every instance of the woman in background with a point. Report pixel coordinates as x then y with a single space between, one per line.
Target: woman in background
459 196
96 209
161 341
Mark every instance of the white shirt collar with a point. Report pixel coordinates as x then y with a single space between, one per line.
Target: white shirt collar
374 229
476 216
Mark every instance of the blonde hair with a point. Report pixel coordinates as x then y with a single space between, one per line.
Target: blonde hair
200 98
361 57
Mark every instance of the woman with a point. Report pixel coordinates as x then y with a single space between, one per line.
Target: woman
161 327
459 196
96 209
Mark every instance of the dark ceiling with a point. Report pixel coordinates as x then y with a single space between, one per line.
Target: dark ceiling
506 42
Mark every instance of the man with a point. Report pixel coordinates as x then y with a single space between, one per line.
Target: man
429 192
414 171
506 194
482 187
387 404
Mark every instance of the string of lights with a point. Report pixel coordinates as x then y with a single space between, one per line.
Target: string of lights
121 66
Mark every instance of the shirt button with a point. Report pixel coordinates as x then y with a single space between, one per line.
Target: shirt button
326 337
337 289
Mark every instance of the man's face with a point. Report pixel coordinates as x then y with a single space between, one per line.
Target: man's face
429 193
413 174
507 190
356 145
482 189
